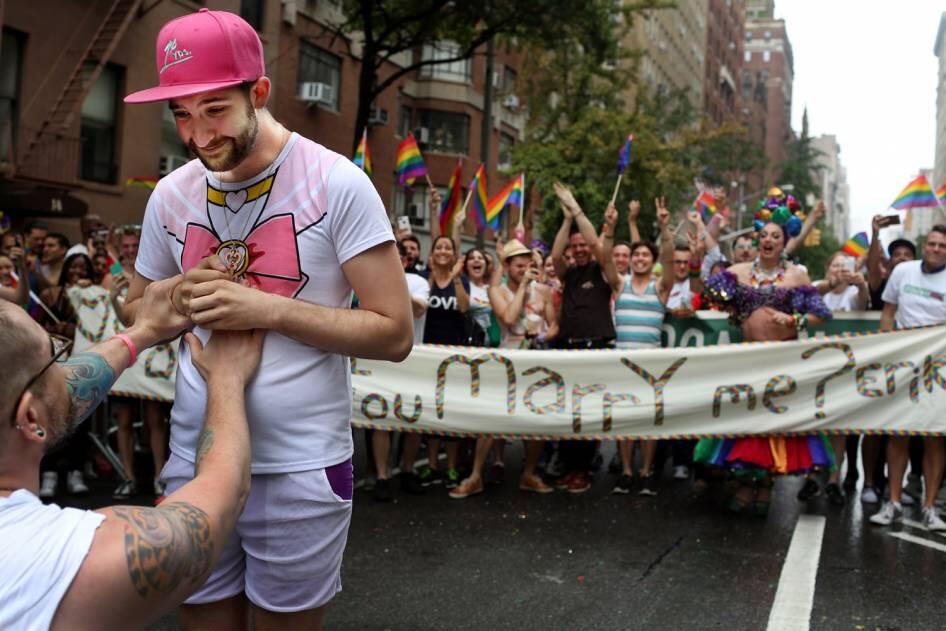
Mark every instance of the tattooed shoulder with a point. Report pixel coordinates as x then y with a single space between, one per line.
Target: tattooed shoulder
88 380
166 546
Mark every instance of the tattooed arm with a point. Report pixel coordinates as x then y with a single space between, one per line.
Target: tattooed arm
145 561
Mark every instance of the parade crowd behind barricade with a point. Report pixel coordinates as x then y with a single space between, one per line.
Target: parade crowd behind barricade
585 291
54 280
588 291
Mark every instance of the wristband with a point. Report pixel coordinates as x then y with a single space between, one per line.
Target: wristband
132 349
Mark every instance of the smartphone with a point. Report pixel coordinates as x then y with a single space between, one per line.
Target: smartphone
890 220
115 269
403 222
849 263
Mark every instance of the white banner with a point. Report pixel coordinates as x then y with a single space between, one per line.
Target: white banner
887 382
152 376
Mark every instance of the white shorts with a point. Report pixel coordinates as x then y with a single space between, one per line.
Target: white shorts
286 550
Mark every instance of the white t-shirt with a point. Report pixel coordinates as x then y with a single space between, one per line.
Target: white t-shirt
480 306
843 301
680 295
290 229
42 548
920 298
418 287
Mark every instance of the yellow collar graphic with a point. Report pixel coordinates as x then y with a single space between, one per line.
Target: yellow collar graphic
218 197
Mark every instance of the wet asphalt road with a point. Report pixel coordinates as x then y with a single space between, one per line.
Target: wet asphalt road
508 560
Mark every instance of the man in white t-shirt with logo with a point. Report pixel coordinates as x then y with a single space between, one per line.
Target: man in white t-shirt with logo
275 232
119 567
916 296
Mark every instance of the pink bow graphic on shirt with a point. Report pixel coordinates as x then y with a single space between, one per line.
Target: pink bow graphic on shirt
271 248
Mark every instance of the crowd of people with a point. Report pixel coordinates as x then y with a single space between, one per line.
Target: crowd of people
589 291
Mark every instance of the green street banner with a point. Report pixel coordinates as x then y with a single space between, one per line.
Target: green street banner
152 376
861 382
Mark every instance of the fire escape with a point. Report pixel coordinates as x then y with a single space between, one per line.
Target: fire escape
52 151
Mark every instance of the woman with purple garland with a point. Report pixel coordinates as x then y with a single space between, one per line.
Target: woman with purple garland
772 300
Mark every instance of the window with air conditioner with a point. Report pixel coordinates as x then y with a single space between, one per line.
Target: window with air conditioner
504 158
319 66
98 130
413 204
448 132
459 71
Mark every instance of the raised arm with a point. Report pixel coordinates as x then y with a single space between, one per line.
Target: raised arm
606 261
144 561
875 255
665 285
433 205
21 294
633 213
813 218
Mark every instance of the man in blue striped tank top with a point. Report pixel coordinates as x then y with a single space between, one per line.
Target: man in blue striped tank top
639 310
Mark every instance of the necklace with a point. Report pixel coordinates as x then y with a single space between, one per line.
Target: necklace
759 277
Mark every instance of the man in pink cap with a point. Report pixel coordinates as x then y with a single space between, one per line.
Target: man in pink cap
272 231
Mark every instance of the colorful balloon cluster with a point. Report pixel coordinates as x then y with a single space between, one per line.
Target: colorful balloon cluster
782 210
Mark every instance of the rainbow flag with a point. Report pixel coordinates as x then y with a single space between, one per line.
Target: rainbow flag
511 195
624 156
147 182
706 204
856 245
917 194
450 205
409 163
941 194
362 157
480 201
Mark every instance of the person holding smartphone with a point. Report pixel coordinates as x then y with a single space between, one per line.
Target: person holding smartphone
843 289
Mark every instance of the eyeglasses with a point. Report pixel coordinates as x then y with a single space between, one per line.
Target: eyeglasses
59 350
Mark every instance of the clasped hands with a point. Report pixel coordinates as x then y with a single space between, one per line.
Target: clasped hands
211 297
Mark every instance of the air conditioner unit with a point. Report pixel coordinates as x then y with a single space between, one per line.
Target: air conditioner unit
497 80
511 101
313 92
378 116
422 135
170 162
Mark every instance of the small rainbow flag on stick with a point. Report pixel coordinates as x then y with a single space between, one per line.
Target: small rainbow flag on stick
917 194
624 159
511 195
706 205
480 201
410 163
450 205
362 157
856 245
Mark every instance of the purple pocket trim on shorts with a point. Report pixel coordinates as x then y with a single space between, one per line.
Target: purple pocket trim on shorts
341 479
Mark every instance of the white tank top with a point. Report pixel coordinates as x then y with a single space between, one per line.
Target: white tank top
41 549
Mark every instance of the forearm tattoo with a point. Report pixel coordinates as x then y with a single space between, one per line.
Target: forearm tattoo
88 380
204 443
166 546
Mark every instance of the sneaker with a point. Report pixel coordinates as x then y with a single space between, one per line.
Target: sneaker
888 514
579 483
49 483
452 480
624 485
125 490
534 484
428 476
905 498
648 485
809 490
75 484
159 487
932 520
870 496
382 490
834 493
468 488
410 484
681 472
563 481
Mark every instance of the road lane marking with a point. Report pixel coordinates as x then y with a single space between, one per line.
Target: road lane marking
919 526
920 540
795 596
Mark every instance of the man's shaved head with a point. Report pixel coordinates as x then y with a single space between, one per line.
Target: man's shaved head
24 349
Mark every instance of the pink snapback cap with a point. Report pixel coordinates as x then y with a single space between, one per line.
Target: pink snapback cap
202 52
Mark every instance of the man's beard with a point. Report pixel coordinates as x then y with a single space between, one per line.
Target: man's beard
239 147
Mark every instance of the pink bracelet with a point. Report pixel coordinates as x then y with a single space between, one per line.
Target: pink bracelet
131 348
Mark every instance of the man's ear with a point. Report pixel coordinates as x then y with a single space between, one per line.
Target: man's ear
26 416
259 94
